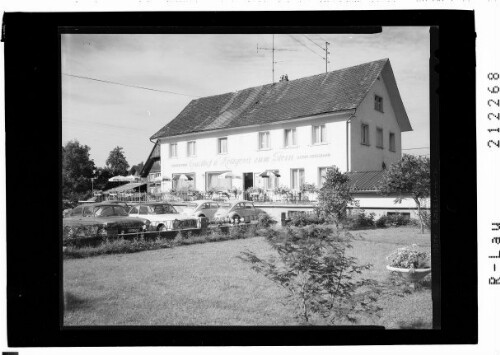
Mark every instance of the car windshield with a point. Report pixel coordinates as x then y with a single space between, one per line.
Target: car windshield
110 211
225 205
162 209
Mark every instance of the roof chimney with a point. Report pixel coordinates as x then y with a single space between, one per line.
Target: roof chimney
284 78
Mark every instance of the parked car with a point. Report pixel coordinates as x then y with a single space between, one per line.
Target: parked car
202 208
236 212
110 218
164 217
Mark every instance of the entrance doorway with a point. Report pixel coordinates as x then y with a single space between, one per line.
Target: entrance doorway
247 182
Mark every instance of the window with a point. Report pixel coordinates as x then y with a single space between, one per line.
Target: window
214 181
319 134
321 176
380 138
191 149
365 134
222 145
392 142
267 183
133 210
297 178
379 103
77 211
87 211
263 140
143 210
290 137
173 150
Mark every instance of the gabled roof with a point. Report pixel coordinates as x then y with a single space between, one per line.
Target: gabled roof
335 91
365 181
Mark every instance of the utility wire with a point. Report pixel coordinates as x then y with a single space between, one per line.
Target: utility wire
302 44
127 85
314 42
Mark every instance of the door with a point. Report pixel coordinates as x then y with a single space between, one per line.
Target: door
247 182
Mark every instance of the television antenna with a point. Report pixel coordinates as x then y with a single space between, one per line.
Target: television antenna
273 49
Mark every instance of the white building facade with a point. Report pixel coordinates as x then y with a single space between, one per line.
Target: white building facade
286 134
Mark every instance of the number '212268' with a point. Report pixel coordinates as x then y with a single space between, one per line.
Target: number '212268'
492 115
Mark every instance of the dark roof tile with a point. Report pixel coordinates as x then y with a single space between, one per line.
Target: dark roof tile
338 90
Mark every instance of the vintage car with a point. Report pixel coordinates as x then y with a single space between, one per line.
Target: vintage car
110 219
164 217
236 212
201 208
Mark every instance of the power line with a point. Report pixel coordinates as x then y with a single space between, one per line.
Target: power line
128 85
314 42
302 44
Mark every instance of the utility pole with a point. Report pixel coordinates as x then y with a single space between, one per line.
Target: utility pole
273 49
326 55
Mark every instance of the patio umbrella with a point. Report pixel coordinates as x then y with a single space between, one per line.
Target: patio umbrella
184 177
228 175
269 173
118 178
130 178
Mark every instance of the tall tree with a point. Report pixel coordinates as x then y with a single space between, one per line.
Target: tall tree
77 170
409 176
117 162
335 195
102 177
136 169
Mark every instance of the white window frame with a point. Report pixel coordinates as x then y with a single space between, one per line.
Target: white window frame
381 130
392 147
219 146
293 133
189 154
170 151
322 134
320 182
260 141
300 177
363 141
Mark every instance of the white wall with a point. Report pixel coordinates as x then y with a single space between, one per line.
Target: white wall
244 156
370 158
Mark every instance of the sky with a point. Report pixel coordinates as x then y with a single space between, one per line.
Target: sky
160 74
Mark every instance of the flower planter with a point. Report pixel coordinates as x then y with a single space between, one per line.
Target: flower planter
411 275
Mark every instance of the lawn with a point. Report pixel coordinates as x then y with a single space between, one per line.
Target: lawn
206 284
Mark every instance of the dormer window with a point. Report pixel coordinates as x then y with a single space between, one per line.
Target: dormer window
379 103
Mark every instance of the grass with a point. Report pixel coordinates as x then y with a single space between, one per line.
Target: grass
207 284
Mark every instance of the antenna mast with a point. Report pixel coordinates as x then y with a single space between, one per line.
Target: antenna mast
273 49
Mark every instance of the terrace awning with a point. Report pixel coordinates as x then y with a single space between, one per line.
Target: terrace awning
126 187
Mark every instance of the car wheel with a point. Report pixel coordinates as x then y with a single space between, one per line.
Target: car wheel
201 215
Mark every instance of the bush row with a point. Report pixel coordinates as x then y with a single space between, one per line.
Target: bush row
103 245
354 221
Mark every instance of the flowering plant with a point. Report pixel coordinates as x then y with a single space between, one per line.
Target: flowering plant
409 258
308 187
281 190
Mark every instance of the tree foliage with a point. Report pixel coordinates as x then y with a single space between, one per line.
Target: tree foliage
335 195
117 162
77 170
318 275
409 176
136 169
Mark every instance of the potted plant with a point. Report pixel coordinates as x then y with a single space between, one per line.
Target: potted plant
409 262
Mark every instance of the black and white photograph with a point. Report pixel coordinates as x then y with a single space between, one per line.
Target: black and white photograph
247 179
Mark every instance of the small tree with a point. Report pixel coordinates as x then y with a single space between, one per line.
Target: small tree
77 170
335 195
136 169
318 275
117 162
410 176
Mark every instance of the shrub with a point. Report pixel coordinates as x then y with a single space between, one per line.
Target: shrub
321 280
305 219
265 220
381 222
398 220
360 220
